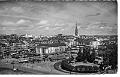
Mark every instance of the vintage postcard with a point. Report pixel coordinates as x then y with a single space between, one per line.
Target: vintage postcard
58 37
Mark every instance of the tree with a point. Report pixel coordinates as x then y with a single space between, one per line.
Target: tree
82 56
113 58
79 57
91 57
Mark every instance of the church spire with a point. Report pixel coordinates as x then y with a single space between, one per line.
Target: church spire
76 30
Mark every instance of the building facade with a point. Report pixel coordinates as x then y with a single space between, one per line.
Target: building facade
48 49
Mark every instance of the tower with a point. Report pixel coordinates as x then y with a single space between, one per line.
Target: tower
76 30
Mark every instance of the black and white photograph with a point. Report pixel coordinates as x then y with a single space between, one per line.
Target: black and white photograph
58 37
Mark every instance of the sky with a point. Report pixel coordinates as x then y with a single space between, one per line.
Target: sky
52 18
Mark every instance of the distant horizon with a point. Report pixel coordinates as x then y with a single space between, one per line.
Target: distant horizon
65 34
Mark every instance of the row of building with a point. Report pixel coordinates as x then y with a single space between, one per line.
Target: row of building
57 43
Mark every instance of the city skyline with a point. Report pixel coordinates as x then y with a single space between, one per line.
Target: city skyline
51 18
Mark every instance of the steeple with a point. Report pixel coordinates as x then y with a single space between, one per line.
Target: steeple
76 30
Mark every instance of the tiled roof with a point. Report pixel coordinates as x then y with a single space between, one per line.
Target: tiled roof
53 45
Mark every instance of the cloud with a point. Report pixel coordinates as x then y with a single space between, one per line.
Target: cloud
83 27
94 25
20 16
56 28
62 29
8 23
79 27
97 14
101 27
22 21
59 24
97 26
18 24
17 9
46 28
53 17
42 22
